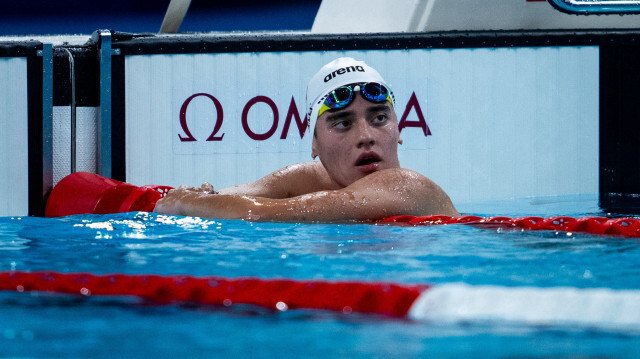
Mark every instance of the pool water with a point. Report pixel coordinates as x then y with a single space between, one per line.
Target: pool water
56 325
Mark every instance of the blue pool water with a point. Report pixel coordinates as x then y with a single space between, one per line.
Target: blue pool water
53 325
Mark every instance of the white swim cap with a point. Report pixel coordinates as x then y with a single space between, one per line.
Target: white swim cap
339 72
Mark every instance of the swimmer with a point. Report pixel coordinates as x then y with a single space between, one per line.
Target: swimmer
358 177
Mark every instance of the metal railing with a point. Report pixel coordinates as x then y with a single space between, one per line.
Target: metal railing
597 6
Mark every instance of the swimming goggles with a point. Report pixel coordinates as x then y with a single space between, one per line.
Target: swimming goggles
344 95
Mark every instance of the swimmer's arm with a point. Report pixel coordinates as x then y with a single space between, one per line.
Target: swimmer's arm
379 195
287 182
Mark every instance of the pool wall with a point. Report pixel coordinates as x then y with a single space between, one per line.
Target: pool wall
487 115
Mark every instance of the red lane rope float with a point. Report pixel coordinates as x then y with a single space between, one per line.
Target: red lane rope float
83 192
628 227
381 298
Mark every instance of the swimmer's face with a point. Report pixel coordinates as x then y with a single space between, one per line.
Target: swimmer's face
357 140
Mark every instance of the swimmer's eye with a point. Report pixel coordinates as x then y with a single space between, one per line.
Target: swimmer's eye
341 125
379 119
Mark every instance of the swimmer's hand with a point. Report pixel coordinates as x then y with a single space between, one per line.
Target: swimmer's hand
208 188
172 202
177 201
207 203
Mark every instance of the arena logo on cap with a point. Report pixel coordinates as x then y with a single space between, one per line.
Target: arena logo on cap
343 71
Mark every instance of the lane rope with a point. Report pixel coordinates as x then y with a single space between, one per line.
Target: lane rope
627 227
455 302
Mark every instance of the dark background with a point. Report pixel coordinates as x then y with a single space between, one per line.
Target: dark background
43 17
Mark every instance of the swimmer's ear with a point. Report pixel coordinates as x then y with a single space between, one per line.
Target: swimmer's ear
314 148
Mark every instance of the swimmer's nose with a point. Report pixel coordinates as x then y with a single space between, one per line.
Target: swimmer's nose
366 136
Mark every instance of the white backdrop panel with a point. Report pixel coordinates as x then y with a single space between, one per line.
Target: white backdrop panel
504 122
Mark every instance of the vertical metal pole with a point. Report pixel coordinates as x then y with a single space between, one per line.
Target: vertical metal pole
72 80
104 131
47 119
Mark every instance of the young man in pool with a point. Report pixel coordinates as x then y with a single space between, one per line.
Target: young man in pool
358 177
